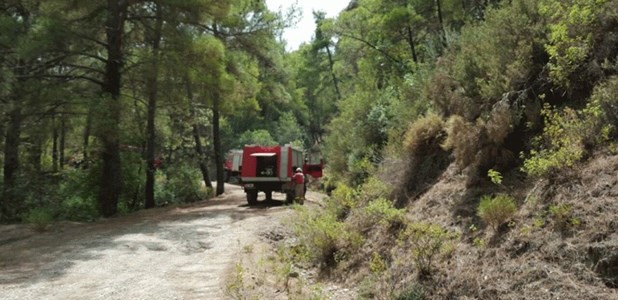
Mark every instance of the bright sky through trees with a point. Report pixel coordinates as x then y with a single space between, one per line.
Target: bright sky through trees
303 31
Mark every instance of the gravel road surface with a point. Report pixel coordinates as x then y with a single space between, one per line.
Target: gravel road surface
164 253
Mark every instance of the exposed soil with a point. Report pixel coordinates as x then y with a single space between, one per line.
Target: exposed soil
184 252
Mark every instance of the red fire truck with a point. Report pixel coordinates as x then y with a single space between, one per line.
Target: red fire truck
270 168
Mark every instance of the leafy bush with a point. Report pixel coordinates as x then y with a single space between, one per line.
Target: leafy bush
426 242
39 218
343 199
179 184
423 134
494 211
571 35
374 188
561 144
322 236
381 212
79 209
568 132
604 106
494 176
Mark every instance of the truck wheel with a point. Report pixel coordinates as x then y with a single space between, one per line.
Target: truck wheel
269 195
252 197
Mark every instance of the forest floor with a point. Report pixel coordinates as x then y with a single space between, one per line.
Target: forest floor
184 252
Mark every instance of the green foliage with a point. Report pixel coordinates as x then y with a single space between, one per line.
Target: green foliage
414 292
495 56
235 285
323 237
79 209
603 106
256 137
342 201
572 26
496 210
567 132
180 183
562 217
494 176
382 212
377 265
40 218
426 242
288 130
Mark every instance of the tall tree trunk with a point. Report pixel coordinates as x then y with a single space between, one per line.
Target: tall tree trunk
63 133
440 19
331 63
198 140
86 136
11 163
111 180
55 136
201 155
152 107
36 153
217 144
411 43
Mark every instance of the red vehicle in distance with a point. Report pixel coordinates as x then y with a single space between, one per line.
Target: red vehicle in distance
270 169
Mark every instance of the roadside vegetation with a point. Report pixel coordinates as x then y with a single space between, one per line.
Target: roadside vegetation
463 153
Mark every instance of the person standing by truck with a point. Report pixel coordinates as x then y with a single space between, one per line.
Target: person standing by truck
299 185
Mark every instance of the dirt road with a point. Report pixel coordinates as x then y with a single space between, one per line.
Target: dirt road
164 253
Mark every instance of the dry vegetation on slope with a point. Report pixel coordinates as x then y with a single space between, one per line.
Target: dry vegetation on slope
561 242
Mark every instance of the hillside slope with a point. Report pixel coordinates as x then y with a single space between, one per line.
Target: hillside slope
539 254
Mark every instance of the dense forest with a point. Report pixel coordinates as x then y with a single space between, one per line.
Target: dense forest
114 106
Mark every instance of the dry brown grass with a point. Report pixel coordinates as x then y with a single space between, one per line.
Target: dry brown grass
530 259
463 140
424 161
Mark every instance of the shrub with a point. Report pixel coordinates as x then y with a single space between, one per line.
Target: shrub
561 144
494 176
79 209
463 140
343 199
571 35
422 162
180 183
39 218
494 211
562 216
382 212
414 292
423 133
426 242
567 134
604 106
374 188
322 236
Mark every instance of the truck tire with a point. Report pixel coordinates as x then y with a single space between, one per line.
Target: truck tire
252 197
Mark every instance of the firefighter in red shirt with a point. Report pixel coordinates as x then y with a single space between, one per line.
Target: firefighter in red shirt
299 185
